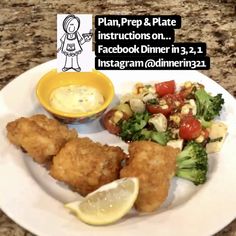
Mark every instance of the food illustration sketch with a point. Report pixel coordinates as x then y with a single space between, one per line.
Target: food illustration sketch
71 42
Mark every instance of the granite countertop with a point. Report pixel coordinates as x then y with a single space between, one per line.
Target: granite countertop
28 38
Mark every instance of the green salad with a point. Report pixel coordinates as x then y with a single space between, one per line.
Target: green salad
183 118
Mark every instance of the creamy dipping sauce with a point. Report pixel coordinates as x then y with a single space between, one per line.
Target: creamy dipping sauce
76 99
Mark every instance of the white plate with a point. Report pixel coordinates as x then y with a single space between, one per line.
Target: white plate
35 200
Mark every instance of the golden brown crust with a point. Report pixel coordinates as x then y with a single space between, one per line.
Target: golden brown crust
39 136
85 165
154 165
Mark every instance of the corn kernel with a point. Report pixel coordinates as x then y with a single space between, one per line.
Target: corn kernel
187 84
164 106
117 117
140 90
175 118
151 90
199 139
185 109
177 103
162 102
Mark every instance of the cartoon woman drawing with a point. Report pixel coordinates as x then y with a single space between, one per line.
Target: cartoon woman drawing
71 42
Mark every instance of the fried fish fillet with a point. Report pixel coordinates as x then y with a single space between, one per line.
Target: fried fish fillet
85 165
39 136
154 165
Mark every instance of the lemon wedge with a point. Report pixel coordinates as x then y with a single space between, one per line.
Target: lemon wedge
108 203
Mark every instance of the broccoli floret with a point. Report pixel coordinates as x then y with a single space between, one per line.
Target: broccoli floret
158 137
192 163
193 155
208 107
161 137
145 134
133 130
197 176
131 126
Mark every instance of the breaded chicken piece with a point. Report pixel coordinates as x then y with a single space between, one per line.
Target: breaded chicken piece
154 165
39 136
85 165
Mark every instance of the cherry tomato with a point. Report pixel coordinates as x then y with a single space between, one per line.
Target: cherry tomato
164 88
172 102
156 108
179 98
190 128
108 124
176 100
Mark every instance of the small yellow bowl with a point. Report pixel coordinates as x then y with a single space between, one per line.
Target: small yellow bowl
53 80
